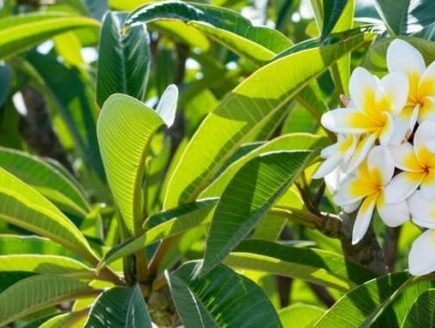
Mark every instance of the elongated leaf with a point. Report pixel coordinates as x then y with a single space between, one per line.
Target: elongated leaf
313 265
246 108
364 303
249 195
395 314
422 313
294 141
228 27
46 179
123 61
70 319
5 81
163 225
42 264
300 315
124 129
18 33
332 10
17 244
23 206
167 106
222 298
38 292
405 16
120 307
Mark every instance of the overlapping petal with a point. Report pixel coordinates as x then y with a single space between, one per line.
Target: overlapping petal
419 261
363 219
422 210
402 186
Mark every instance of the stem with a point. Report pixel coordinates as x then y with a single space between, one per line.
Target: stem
390 247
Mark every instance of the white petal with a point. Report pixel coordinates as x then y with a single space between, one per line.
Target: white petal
381 163
333 180
402 186
395 87
327 166
422 210
430 144
405 158
351 207
393 215
421 258
361 152
363 219
329 150
402 57
426 86
427 110
387 131
427 186
346 120
425 131
344 195
362 84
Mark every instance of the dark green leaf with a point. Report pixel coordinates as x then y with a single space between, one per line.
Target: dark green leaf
313 265
250 194
222 298
365 303
120 307
422 313
123 62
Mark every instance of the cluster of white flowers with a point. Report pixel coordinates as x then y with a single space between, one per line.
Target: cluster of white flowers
385 154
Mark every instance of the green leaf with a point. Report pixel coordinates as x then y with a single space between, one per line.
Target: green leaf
5 81
18 33
120 307
365 303
405 16
52 264
123 62
313 265
124 130
66 320
256 43
245 109
167 106
25 207
396 312
300 315
222 298
290 142
422 313
17 244
34 293
250 194
42 176
163 225
332 10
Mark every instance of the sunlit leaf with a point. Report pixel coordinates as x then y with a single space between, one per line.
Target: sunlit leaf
124 129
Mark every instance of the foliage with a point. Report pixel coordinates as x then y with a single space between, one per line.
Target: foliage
157 163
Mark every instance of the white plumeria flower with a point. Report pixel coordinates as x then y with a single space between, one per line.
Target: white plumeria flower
336 155
421 258
374 104
418 164
423 214
402 57
366 185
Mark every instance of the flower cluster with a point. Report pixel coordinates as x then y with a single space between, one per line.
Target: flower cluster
384 158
